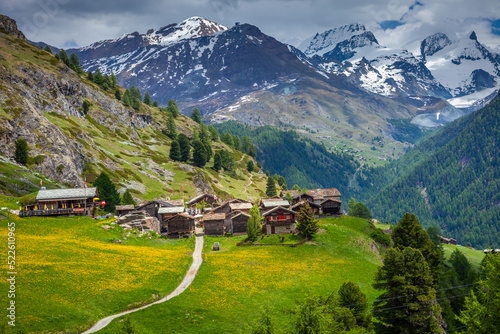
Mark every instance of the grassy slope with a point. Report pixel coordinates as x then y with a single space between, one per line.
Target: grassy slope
474 256
235 283
70 273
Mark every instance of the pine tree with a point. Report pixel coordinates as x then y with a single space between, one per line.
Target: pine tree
250 166
21 153
351 296
196 116
408 303
136 104
217 162
114 81
147 98
254 226
85 107
175 151
118 95
172 108
350 206
236 143
227 138
204 136
127 198
171 130
199 154
74 63
107 192
155 103
270 187
306 224
127 98
48 49
184 146
214 134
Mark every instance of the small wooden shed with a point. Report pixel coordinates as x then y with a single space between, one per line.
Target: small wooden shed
180 224
122 210
239 223
214 224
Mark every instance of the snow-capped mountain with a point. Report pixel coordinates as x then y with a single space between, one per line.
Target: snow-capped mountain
196 60
464 66
446 69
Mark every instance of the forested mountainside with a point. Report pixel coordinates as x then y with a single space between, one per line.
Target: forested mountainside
451 179
76 125
299 160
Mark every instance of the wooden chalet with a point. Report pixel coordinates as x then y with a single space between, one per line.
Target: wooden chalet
328 199
267 204
62 202
165 213
151 208
314 207
209 199
182 224
279 220
122 210
226 206
239 223
243 207
214 224
449 241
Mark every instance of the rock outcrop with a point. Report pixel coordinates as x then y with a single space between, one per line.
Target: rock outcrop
10 27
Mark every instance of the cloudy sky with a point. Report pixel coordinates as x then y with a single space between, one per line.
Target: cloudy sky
69 23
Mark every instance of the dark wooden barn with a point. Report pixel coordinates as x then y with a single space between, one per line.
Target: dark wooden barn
239 223
214 224
179 225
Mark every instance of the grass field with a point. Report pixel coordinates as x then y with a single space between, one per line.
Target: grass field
70 273
235 283
475 256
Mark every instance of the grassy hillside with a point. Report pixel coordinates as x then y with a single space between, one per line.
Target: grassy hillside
70 273
235 283
41 101
451 179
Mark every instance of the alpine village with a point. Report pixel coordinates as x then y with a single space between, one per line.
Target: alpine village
199 178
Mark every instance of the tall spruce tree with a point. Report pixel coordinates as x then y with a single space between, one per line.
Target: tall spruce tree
21 153
306 224
171 130
214 134
175 151
271 187
107 192
199 154
196 115
254 226
217 162
147 98
408 302
172 108
184 146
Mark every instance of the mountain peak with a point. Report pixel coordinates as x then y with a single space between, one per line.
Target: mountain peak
326 41
473 36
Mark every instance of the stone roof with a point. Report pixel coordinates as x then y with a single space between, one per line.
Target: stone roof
175 202
269 203
214 216
315 193
160 203
171 209
241 214
240 206
197 198
276 209
66 194
184 214
125 207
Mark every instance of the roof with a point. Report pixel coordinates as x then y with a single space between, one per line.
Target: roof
184 214
241 214
276 209
240 206
331 200
72 193
125 207
175 202
197 198
266 203
161 203
214 216
315 193
302 203
171 209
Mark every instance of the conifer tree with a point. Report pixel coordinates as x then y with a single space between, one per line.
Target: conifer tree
236 143
85 107
254 226
214 134
196 115
155 103
136 104
21 153
250 166
118 95
306 224
113 80
107 192
175 151
360 210
74 63
408 303
351 296
270 187
199 154
217 162
147 98
172 108
171 130
184 147
127 99
127 198
48 49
